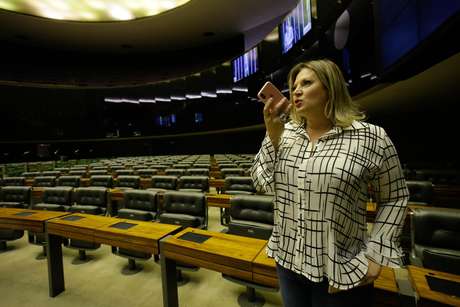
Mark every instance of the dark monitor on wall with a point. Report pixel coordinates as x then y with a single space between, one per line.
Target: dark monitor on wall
402 25
245 65
295 25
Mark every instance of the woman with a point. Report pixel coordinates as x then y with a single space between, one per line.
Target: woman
319 166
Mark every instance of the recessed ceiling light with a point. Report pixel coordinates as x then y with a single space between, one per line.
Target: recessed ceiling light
91 10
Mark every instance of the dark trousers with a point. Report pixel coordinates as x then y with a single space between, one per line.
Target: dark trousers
298 291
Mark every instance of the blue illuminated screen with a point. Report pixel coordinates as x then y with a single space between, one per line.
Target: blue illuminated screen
166 121
295 25
245 65
198 117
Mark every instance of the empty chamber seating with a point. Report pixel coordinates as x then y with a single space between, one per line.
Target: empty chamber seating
54 199
14 181
68 181
44 181
137 205
101 181
90 200
238 185
13 197
184 208
193 183
164 182
420 192
251 216
225 172
198 172
436 239
128 182
147 172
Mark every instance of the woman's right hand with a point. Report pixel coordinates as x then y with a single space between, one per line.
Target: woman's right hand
273 123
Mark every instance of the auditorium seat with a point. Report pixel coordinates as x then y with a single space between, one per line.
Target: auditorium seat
175 172
187 209
137 205
101 181
13 197
95 172
147 172
251 216
163 182
68 181
56 172
88 200
30 174
435 234
225 172
14 181
193 183
44 181
198 172
53 199
77 172
124 172
127 182
238 185
420 192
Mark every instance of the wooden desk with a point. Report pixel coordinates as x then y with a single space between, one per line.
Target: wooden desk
265 274
216 183
12 218
264 270
218 200
418 276
221 201
143 237
229 254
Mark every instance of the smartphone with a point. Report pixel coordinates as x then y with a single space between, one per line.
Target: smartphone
269 90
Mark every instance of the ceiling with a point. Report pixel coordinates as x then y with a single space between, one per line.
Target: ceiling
204 32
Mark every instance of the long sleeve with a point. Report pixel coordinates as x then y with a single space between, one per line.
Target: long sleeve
392 196
263 168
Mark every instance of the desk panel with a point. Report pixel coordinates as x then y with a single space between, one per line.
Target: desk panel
418 276
34 222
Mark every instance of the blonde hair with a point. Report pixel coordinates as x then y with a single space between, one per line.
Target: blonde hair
340 108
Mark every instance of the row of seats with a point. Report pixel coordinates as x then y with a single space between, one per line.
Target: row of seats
232 184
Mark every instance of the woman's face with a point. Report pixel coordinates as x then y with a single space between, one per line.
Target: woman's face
308 93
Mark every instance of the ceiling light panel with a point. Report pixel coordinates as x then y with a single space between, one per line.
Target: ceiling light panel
91 10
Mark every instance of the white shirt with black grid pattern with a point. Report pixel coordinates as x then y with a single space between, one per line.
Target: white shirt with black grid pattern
321 193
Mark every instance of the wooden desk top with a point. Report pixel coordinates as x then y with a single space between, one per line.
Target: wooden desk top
143 236
418 274
264 269
265 273
229 254
387 280
218 200
216 183
13 218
